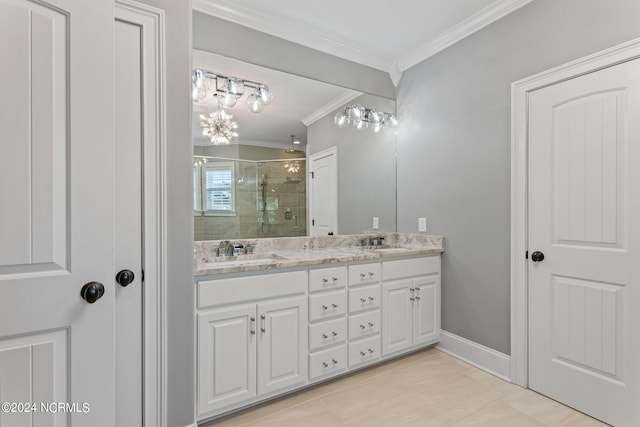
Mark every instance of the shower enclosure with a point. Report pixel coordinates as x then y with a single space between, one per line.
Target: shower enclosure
239 199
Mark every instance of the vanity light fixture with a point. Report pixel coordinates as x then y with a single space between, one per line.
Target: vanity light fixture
228 89
362 118
293 148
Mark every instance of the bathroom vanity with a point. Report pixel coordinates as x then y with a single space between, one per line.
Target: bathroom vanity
298 311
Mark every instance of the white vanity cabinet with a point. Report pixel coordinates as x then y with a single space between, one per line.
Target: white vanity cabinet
327 322
252 339
364 314
410 304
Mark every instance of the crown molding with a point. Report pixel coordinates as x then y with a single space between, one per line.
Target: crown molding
460 31
348 95
292 32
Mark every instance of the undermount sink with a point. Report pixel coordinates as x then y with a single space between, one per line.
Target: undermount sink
248 259
383 249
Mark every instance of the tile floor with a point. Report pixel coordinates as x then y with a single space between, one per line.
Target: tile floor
425 389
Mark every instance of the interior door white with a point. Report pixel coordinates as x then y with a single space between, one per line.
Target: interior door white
323 193
56 211
128 223
584 218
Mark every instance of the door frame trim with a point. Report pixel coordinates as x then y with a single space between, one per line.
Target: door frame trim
520 91
154 205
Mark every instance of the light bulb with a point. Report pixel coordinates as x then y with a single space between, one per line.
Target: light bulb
360 124
198 88
376 127
255 103
341 119
234 86
264 94
355 111
226 100
374 116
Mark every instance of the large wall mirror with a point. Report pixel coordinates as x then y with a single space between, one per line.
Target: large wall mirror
258 185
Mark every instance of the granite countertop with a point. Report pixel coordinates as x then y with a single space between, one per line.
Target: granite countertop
278 253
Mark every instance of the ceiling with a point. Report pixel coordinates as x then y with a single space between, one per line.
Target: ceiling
389 35
296 101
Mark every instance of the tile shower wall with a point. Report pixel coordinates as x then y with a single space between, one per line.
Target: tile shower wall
284 213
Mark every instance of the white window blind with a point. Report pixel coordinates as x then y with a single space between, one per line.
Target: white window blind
219 187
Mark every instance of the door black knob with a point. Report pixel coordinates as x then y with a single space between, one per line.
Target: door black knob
125 277
92 292
537 256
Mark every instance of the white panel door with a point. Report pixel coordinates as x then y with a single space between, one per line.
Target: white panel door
584 217
397 316
282 344
226 357
323 193
56 210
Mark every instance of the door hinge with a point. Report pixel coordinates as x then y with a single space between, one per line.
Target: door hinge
142 278
526 255
313 175
313 222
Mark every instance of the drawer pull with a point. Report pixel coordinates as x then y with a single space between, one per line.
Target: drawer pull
335 362
252 328
362 353
263 329
334 305
371 299
325 307
371 274
362 326
335 279
363 300
334 333
324 280
363 275
370 351
325 364
325 336
370 325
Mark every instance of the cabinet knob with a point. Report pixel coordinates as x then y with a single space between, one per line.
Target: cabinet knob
370 325
334 305
362 326
325 336
334 333
363 275
325 307
362 353
370 351
335 279
371 274
363 300
335 362
324 280
325 364
371 299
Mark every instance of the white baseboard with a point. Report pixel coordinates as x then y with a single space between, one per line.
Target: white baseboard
192 425
485 358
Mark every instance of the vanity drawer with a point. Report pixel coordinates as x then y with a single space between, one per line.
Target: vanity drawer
325 306
327 278
364 273
327 333
364 298
329 361
364 324
364 351
410 267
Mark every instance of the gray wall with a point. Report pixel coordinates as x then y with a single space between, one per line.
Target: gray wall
366 168
179 157
226 38
454 146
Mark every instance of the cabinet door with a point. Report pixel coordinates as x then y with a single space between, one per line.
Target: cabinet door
226 357
282 348
397 316
426 310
